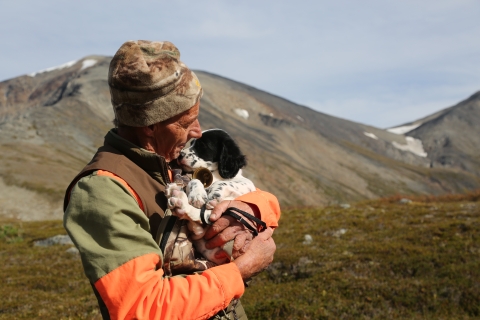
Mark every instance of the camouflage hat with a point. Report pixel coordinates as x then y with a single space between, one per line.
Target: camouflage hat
149 84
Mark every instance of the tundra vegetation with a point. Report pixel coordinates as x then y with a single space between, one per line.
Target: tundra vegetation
394 258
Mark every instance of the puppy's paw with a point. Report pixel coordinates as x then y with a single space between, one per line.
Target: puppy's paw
177 202
171 187
177 207
197 200
197 196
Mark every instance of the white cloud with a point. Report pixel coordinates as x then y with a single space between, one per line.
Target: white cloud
227 21
373 61
389 109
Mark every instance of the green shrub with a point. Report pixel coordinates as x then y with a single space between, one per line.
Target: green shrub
10 234
390 261
373 260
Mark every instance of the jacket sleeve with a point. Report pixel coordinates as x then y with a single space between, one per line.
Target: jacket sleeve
267 204
123 262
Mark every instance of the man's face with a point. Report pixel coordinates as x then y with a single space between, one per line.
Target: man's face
171 136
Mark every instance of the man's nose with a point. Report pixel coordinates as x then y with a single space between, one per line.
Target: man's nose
195 130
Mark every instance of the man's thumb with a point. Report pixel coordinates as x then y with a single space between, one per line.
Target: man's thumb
265 234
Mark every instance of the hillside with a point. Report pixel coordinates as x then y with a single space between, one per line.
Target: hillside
375 260
51 122
452 136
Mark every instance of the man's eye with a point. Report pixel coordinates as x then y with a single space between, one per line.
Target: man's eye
187 125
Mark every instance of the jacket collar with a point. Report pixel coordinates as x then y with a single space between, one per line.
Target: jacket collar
152 163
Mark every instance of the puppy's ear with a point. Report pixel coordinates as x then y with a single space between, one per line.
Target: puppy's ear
231 160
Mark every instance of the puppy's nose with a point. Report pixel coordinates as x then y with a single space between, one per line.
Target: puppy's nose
182 154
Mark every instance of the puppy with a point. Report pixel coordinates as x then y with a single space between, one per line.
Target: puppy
219 153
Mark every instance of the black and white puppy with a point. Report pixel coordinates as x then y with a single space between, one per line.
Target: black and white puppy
219 153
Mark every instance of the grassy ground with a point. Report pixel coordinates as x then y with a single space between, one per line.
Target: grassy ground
40 282
374 260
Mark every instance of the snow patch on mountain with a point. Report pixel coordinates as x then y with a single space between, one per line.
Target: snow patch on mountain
242 113
87 63
413 145
62 66
404 129
370 135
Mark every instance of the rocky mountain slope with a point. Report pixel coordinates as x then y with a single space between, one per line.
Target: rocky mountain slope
451 137
51 122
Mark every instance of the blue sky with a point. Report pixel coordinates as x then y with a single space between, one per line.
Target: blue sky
378 62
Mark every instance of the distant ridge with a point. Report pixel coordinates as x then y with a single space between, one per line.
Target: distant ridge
452 136
52 122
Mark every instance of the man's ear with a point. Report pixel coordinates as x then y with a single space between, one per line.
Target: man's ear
144 137
231 160
147 131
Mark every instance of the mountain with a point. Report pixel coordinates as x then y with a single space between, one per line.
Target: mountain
451 137
52 121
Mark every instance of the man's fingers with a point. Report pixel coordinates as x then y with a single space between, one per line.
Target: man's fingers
241 244
220 239
266 234
258 254
225 227
219 226
219 210
240 240
240 235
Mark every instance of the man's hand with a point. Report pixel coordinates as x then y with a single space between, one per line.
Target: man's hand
226 228
258 256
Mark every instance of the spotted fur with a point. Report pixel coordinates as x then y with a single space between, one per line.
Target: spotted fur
219 153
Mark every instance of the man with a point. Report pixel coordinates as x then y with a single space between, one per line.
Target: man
116 208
